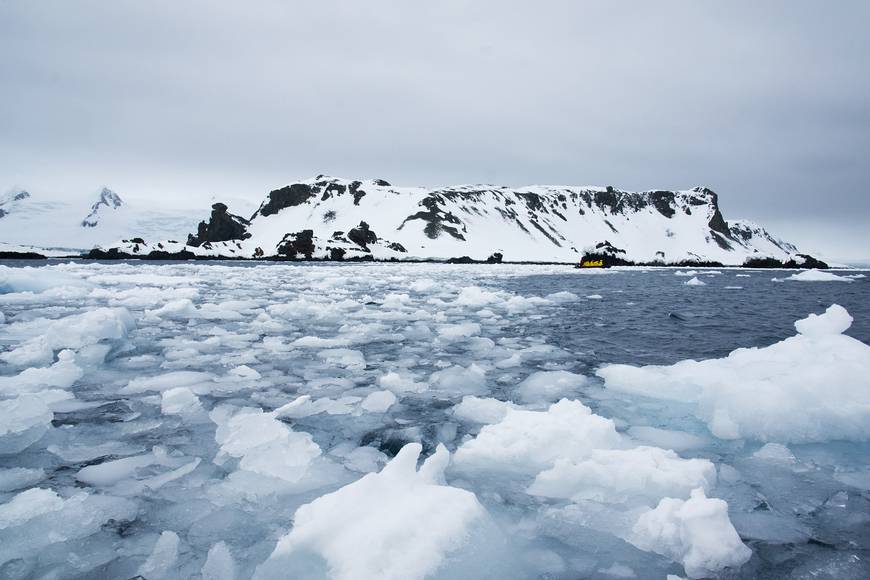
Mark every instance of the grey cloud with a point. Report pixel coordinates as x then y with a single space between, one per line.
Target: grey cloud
766 102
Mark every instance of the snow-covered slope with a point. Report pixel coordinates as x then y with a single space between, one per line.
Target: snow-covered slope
77 223
536 223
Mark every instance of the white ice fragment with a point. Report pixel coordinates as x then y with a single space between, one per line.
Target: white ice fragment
695 532
196 381
695 282
343 357
12 478
263 444
399 383
458 331
835 320
817 276
180 401
245 372
617 475
481 409
476 296
460 380
371 527
60 375
531 441
28 505
562 297
23 422
163 557
74 331
548 386
378 402
219 564
775 452
595 297
617 570
809 387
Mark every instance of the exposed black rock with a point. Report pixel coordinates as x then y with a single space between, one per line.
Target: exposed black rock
289 196
809 262
435 217
299 244
337 254
397 247
357 193
221 227
381 182
495 258
362 235
8 255
461 260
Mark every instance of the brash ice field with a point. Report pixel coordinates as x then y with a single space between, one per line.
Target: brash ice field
410 421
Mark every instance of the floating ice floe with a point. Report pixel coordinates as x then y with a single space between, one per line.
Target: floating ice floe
810 387
399 524
633 492
817 276
695 282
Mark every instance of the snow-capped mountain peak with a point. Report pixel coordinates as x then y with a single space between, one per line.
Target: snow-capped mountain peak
109 200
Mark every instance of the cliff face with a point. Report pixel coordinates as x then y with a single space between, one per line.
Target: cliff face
333 218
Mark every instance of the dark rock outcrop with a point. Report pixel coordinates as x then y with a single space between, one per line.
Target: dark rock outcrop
808 262
289 196
300 244
6 255
362 235
221 227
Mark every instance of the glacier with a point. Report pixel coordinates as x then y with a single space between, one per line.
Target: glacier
228 420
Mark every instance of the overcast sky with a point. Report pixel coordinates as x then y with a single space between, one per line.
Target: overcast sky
767 103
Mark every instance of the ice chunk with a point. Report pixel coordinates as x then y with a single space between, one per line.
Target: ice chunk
835 320
695 532
809 387
817 276
74 331
12 478
27 505
43 518
180 401
775 452
695 282
378 402
481 410
263 444
163 557
60 375
460 380
196 381
458 331
617 475
595 297
343 357
399 384
35 279
23 422
562 297
547 386
476 296
219 564
531 441
371 528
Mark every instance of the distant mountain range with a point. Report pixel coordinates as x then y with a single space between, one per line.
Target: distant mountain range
332 218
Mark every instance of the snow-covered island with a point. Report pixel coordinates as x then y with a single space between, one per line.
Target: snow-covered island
329 218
